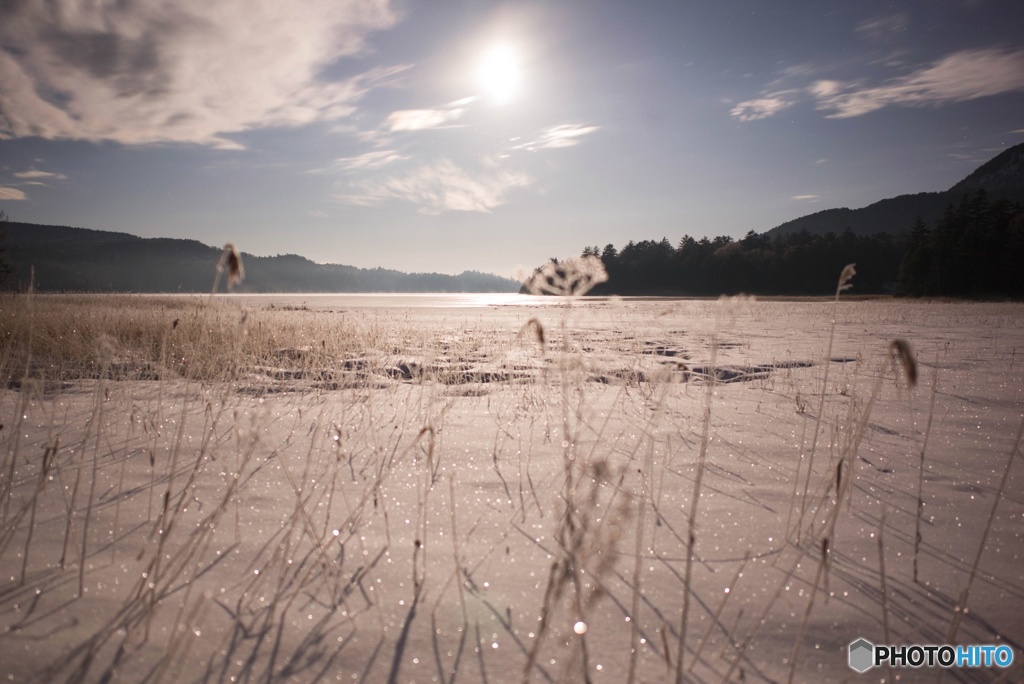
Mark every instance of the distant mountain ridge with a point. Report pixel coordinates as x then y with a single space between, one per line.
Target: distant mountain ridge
1002 177
67 259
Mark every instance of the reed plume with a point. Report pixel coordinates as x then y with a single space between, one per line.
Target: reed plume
901 353
229 260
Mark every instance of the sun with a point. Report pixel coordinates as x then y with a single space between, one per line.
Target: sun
499 73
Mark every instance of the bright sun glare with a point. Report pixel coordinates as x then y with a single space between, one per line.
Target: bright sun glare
499 73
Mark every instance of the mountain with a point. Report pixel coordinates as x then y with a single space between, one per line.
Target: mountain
62 259
1001 178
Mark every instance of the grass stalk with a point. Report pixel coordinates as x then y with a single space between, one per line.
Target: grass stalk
44 471
456 556
634 611
691 535
961 604
100 397
730 589
798 642
742 648
886 634
844 283
920 471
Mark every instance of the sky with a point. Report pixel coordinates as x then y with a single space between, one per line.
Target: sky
451 135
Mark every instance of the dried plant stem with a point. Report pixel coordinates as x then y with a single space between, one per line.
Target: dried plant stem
741 649
795 653
179 638
961 605
455 553
117 513
846 481
309 527
634 611
885 592
98 418
821 411
419 568
69 526
44 470
920 472
691 536
729 591
796 482
7 491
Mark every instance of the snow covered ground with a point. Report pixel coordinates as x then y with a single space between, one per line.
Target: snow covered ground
507 493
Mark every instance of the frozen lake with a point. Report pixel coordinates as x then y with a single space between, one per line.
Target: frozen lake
471 488
433 300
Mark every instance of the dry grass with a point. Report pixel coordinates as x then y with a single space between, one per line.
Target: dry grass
63 338
220 491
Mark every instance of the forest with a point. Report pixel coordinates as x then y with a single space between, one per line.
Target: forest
975 249
66 259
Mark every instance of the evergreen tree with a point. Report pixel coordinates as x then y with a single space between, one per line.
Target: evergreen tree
918 265
5 265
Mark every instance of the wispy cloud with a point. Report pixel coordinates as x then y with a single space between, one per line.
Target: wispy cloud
884 27
959 77
369 160
421 119
33 173
765 106
151 71
555 137
317 214
804 198
11 194
438 187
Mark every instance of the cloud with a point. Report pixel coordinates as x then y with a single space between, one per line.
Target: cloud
152 71
11 194
958 77
566 135
961 76
33 173
556 137
438 187
765 106
421 119
804 198
317 214
369 160
883 28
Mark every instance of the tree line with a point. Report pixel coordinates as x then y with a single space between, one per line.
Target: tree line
974 250
66 259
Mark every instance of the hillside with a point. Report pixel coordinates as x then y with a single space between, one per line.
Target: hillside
84 260
1002 178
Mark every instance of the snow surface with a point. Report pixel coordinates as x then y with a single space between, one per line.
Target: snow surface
479 507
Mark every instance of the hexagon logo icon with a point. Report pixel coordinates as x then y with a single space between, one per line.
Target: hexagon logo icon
862 655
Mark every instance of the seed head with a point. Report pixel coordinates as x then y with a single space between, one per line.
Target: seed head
846 277
231 259
901 352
